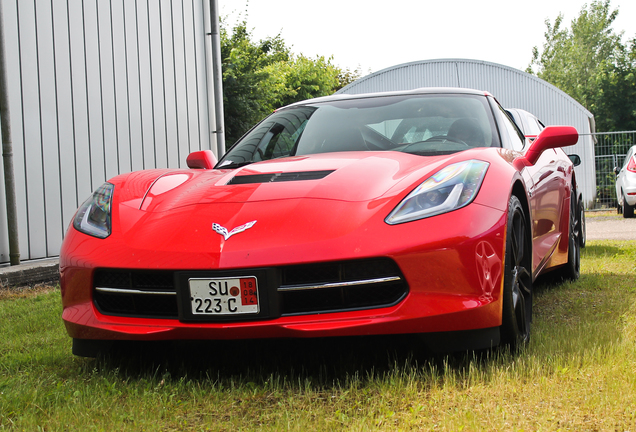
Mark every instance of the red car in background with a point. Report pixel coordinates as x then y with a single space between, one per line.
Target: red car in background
423 211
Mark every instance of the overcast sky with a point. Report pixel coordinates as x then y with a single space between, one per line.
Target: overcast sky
373 35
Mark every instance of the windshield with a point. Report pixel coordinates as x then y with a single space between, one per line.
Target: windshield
418 124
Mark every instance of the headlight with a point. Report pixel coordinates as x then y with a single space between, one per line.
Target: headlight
452 187
93 217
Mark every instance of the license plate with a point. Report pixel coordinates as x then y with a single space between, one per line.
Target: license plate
224 296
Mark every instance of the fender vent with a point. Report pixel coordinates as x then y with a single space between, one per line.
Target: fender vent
280 177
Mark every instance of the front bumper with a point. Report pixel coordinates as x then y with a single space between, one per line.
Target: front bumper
452 265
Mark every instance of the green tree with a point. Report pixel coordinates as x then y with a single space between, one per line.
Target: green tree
259 77
243 64
589 62
300 78
347 76
615 106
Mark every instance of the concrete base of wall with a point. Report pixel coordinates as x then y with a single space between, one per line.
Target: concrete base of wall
30 273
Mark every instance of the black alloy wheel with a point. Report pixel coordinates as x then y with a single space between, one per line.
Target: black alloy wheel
517 294
572 269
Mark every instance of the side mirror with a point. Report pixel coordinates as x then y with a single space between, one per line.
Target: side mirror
551 137
576 159
617 170
203 159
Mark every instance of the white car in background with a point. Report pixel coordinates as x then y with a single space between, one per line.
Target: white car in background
626 184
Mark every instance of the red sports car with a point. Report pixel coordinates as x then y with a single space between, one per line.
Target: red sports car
418 212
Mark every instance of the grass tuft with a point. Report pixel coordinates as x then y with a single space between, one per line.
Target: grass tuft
577 372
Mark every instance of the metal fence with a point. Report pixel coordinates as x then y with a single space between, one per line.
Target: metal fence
610 151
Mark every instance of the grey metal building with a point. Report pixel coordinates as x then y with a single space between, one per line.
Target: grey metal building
98 88
512 88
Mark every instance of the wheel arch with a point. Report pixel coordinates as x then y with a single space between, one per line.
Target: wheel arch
575 184
519 191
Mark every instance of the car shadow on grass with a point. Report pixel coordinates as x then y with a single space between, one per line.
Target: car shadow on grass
323 362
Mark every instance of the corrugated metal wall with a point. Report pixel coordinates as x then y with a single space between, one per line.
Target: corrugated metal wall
97 88
512 88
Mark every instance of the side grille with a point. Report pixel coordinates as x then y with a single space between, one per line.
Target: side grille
332 287
138 293
279 177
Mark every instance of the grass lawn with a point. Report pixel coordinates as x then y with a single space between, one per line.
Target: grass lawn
578 373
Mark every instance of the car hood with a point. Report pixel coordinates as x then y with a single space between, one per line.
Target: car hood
348 177
294 219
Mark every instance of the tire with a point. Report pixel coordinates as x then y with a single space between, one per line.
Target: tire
628 210
517 292
572 269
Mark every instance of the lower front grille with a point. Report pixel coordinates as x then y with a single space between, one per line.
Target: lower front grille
333 287
136 293
301 289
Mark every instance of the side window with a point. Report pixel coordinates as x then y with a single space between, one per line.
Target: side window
510 133
541 125
278 141
535 126
276 136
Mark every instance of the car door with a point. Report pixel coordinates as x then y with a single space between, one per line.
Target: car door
550 203
546 183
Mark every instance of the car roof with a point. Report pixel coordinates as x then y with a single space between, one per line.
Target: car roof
418 91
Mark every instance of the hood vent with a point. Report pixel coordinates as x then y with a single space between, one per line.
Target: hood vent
279 177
